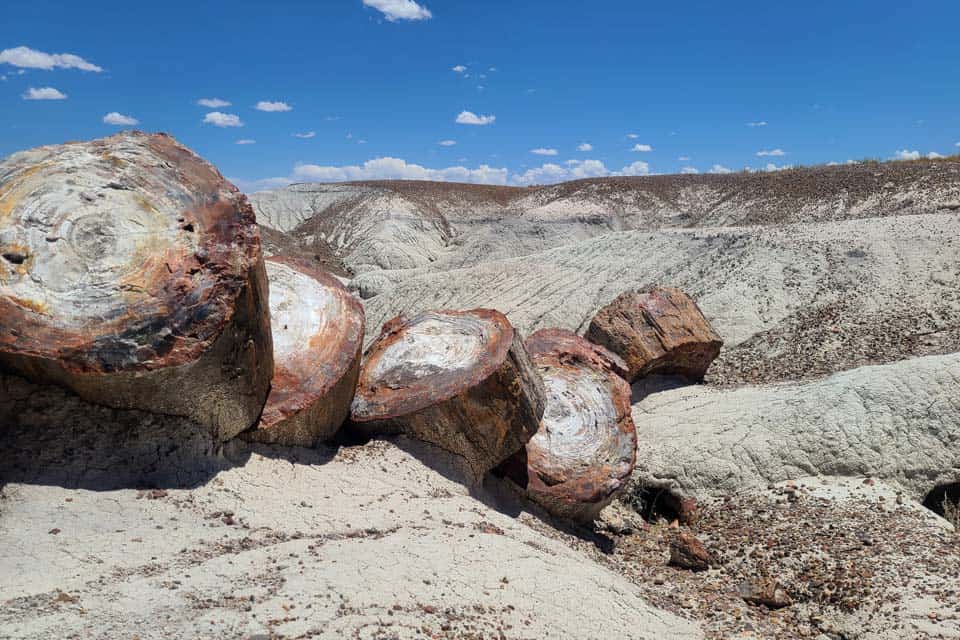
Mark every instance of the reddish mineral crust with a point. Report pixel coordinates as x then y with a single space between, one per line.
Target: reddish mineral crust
131 273
585 449
317 341
657 331
458 379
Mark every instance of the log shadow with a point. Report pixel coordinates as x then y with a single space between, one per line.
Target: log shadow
655 383
505 496
48 436
497 493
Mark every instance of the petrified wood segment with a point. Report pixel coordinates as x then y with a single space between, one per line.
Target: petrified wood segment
461 380
131 273
317 340
585 448
661 330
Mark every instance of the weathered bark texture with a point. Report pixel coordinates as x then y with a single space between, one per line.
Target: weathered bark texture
585 449
317 341
661 330
131 273
461 380
687 552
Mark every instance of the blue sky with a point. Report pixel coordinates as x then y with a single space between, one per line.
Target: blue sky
565 89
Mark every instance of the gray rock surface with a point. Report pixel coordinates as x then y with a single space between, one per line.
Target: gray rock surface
898 422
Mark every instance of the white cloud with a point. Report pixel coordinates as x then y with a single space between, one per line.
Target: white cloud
398 169
545 174
540 151
459 68
213 103
684 158
28 58
306 136
44 93
642 147
469 117
635 169
689 170
219 119
719 168
585 146
632 136
395 10
933 155
120 120
575 170
771 152
588 169
246 141
772 167
447 143
759 123
272 107
905 154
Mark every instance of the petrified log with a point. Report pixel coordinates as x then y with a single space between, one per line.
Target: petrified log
585 449
765 591
131 273
687 552
661 330
317 341
461 380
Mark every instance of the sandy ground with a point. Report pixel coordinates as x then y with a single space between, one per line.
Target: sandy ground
120 525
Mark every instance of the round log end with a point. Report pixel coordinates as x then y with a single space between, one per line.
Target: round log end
585 449
458 379
421 361
317 340
127 256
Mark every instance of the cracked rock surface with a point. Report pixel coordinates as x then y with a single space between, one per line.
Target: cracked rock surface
899 422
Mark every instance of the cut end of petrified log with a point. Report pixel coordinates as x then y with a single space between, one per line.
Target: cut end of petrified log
124 259
458 379
661 330
585 449
317 339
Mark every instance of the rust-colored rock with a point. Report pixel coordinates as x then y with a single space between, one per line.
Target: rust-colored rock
687 552
766 592
131 273
317 340
585 449
657 331
461 380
